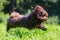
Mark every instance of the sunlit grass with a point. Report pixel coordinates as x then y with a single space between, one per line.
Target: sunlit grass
52 33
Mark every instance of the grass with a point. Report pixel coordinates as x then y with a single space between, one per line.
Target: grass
53 33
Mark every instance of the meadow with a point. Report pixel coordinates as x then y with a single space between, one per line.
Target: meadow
52 33
53 28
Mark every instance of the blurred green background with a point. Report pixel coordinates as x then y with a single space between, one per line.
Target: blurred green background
25 7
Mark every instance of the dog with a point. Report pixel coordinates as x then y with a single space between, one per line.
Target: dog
34 20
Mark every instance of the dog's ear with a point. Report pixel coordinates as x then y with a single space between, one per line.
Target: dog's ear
38 7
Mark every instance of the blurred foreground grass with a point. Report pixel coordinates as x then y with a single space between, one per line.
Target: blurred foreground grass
53 33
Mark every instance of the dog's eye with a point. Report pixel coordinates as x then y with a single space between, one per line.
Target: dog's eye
36 10
40 13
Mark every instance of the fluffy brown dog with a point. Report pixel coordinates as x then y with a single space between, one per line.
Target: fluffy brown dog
35 19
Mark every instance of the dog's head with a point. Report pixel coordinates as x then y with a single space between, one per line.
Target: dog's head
40 13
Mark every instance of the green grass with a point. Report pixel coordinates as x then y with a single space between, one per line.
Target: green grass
53 33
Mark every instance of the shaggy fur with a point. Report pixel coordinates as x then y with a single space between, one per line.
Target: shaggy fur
35 19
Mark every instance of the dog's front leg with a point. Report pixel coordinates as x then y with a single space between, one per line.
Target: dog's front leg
41 27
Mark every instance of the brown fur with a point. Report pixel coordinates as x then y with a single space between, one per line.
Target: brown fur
35 19
15 15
